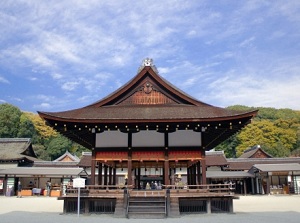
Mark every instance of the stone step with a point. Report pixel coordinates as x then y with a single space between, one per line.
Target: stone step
147 215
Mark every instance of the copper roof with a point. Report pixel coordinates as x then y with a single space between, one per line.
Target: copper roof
215 158
255 152
247 163
148 100
85 161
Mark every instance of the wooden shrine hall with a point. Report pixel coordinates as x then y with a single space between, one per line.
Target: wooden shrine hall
148 124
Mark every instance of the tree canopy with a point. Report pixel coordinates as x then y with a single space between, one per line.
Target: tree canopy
47 143
277 131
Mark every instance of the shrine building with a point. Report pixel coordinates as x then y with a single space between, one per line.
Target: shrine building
149 128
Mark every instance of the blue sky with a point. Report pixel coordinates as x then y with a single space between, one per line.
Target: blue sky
61 55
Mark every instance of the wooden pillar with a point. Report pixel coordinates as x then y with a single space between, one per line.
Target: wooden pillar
166 162
105 174
203 162
129 162
93 166
129 166
100 174
114 181
139 178
194 174
268 184
167 172
93 163
110 175
189 176
198 173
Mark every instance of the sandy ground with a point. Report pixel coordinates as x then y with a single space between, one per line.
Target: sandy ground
275 209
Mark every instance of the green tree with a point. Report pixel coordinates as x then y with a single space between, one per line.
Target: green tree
229 146
57 146
26 128
43 130
41 152
9 120
268 135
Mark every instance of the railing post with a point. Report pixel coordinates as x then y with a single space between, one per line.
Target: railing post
168 205
125 197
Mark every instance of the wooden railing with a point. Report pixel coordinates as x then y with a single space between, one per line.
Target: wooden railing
204 188
115 190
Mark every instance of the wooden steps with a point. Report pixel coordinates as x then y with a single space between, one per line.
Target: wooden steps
146 206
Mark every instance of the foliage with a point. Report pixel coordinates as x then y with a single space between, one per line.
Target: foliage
277 131
47 143
9 120
26 127
57 146
45 131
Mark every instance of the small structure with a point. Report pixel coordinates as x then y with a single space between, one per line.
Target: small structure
18 162
277 178
14 152
34 179
270 175
255 152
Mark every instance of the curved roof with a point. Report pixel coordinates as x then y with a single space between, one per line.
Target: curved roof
144 113
147 101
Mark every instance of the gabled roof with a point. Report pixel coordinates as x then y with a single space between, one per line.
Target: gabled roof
16 149
148 102
215 158
255 152
67 157
86 160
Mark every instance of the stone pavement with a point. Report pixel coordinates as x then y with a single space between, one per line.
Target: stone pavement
257 208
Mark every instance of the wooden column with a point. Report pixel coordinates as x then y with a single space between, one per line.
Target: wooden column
100 173
194 174
139 178
114 180
93 163
166 162
129 162
110 175
203 162
129 166
198 173
167 172
189 175
105 174
93 167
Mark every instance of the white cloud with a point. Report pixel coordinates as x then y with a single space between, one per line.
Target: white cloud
56 76
257 89
42 106
93 46
70 86
4 80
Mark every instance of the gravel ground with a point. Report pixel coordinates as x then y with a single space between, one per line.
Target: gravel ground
275 209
